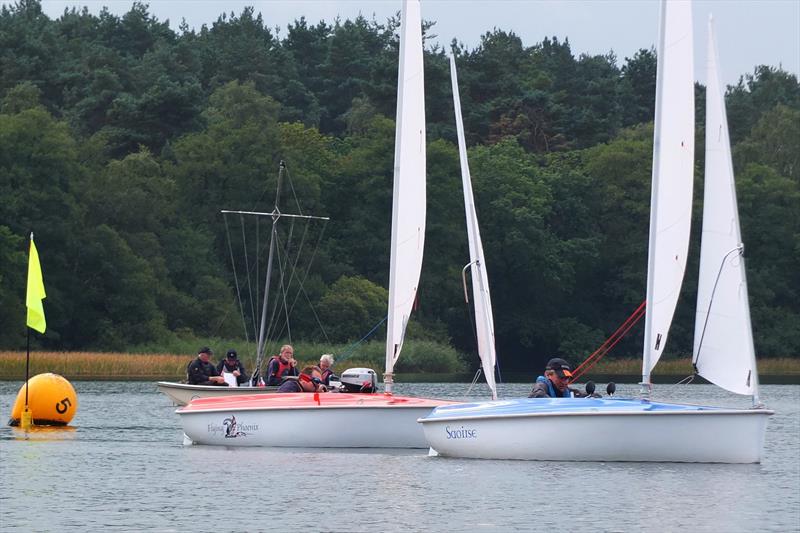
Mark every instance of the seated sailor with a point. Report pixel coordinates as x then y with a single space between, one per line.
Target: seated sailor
232 365
281 366
326 368
202 372
554 383
308 381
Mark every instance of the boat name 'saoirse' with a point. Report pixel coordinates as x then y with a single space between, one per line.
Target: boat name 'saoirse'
462 433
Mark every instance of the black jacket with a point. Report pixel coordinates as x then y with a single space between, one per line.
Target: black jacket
198 373
223 365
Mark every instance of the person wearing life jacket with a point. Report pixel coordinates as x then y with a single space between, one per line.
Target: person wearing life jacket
307 381
282 365
554 383
326 368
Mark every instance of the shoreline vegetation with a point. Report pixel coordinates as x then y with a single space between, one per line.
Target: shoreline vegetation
108 366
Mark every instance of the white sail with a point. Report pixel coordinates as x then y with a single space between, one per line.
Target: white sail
673 170
481 299
408 209
723 337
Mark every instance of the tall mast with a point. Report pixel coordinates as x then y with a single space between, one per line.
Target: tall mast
275 215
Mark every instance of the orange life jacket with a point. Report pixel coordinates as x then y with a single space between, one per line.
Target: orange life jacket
282 367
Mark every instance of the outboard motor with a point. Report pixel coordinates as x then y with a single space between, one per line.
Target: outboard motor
359 380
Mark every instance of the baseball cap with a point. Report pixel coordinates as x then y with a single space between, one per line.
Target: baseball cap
559 366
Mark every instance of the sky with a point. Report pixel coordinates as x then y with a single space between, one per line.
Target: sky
749 32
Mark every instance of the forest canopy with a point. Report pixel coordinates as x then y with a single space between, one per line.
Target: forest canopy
121 141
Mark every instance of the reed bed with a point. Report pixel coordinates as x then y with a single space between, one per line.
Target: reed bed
114 366
162 366
95 365
683 366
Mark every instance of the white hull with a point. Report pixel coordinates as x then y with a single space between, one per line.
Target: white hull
705 435
339 420
183 393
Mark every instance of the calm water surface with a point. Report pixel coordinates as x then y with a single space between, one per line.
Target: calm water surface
123 468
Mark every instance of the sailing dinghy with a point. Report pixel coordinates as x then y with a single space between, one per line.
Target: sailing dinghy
640 429
351 420
183 393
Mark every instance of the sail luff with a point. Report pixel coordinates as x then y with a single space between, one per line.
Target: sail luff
408 206
481 298
723 345
673 174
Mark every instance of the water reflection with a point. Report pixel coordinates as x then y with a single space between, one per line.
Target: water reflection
44 433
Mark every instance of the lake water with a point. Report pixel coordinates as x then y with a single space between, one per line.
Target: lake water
124 468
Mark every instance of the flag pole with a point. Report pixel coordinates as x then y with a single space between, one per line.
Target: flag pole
26 421
33 301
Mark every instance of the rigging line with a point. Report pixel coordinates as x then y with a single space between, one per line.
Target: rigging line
469 309
247 270
294 264
621 330
316 316
274 236
273 322
348 351
267 186
294 194
305 276
611 341
474 381
279 250
283 266
284 290
257 319
671 388
301 282
739 249
603 351
235 277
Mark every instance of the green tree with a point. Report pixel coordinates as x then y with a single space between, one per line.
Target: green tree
13 278
639 87
351 306
774 141
757 93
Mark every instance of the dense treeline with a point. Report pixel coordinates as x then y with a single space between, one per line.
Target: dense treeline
121 140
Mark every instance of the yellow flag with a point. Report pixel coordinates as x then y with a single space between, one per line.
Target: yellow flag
35 292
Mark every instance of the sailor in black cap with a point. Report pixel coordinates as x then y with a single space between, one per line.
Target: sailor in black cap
553 384
233 365
201 371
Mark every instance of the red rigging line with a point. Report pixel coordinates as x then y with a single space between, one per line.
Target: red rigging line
610 342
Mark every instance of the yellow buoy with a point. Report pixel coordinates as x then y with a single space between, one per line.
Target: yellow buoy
51 401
